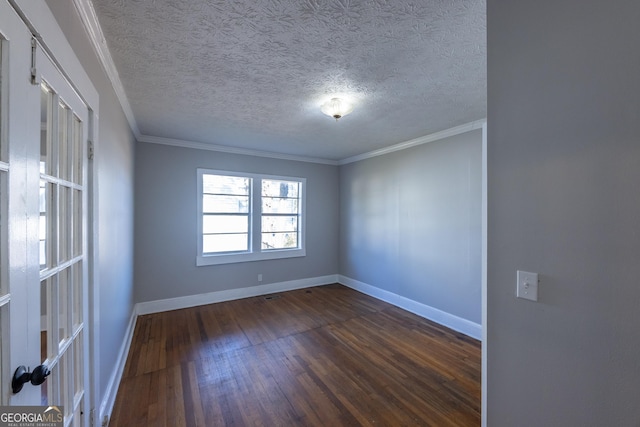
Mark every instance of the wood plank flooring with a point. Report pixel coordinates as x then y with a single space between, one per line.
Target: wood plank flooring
323 356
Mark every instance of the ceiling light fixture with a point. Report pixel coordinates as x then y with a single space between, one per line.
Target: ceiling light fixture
336 108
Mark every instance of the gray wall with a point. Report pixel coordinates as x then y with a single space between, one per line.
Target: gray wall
114 170
166 229
564 201
410 223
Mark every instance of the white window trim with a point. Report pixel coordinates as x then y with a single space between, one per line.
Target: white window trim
255 252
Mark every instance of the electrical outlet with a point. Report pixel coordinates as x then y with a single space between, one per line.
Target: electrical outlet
527 286
259 277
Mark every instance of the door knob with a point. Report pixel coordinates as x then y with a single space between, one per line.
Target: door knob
22 376
39 375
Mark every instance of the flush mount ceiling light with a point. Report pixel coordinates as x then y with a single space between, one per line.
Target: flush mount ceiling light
336 108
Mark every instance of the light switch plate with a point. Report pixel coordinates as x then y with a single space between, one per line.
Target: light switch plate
527 287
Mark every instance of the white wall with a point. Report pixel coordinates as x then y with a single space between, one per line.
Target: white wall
114 160
563 178
410 223
166 228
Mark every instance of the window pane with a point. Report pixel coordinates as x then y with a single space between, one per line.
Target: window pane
78 365
43 240
225 204
212 243
280 197
225 224
279 223
63 380
63 134
277 205
64 220
77 148
76 297
46 101
220 184
64 114
64 284
279 240
77 223
45 225
273 188
45 328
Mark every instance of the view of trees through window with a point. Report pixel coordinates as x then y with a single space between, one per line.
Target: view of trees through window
229 219
280 201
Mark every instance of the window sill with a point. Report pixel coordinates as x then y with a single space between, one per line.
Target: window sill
203 260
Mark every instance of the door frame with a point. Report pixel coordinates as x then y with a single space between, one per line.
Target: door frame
485 231
40 21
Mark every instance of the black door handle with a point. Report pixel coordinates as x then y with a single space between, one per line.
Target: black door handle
22 376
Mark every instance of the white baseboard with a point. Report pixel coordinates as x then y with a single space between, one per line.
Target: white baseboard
456 323
231 294
109 398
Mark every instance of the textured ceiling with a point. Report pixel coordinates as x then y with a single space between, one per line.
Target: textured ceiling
253 73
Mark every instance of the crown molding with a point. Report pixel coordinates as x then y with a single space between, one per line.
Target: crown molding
232 150
94 31
467 127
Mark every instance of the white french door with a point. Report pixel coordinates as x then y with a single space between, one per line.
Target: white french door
43 226
61 240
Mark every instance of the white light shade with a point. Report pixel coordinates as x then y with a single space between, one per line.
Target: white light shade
336 108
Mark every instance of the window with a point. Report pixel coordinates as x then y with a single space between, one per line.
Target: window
249 217
225 213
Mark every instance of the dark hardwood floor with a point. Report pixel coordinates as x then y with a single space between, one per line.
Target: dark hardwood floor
323 356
